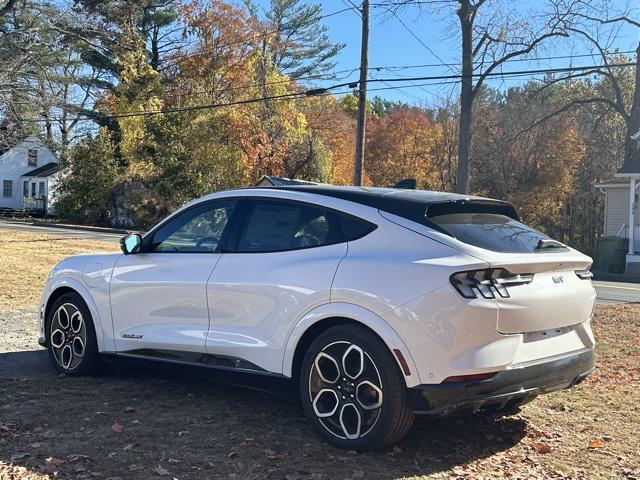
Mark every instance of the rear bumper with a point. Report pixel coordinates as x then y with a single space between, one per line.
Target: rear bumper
507 389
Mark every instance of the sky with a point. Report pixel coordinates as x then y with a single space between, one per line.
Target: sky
392 44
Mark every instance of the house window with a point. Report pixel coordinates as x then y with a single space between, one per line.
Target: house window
33 156
41 189
7 188
25 188
33 189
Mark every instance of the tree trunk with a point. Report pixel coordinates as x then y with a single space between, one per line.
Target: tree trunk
632 147
466 96
155 54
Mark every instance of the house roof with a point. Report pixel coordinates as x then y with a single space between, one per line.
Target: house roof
272 180
44 170
632 165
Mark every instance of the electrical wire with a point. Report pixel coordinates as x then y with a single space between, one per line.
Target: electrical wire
327 90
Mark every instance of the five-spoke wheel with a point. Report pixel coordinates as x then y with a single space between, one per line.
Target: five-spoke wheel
345 390
352 389
71 337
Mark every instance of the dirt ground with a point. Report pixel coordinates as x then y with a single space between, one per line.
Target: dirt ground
139 423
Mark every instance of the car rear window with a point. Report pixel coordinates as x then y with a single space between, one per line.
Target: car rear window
492 231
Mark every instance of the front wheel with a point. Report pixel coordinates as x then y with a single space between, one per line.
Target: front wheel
71 337
353 391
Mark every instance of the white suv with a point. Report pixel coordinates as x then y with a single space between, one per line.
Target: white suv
379 303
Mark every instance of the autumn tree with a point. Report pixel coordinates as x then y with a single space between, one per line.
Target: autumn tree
400 145
491 34
536 170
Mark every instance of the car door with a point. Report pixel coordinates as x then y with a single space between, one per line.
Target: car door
158 296
285 255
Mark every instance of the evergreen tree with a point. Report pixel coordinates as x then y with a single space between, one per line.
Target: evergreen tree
294 38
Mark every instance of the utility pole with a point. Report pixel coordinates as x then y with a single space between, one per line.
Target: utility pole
362 95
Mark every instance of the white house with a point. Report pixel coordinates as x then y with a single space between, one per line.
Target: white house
622 215
29 173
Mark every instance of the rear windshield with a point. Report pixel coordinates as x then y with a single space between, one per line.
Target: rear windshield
492 231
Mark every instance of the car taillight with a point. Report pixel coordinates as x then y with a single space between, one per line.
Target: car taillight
584 274
485 283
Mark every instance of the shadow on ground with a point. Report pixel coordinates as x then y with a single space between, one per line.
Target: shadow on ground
136 422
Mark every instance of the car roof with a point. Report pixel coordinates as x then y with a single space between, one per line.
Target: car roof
377 196
410 204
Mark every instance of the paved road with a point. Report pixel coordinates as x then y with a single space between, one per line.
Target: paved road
608 292
64 232
617 292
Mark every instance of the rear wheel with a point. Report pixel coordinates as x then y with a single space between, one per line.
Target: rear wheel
353 391
71 337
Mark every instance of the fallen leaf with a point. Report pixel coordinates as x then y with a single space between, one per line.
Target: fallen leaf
291 476
358 474
136 422
595 443
55 462
19 456
128 446
541 448
273 455
183 432
116 427
161 471
397 450
52 464
129 409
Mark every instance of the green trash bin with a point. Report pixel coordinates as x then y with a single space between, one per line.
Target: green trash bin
613 254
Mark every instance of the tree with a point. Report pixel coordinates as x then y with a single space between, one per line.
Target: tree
491 35
86 189
293 39
536 170
597 25
26 30
401 145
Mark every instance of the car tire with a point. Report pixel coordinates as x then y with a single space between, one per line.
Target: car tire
353 391
71 336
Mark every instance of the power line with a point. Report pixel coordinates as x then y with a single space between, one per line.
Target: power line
447 79
353 7
513 60
414 35
392 69
498 74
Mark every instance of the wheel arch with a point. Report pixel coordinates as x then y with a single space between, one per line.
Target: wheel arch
69 285
331 315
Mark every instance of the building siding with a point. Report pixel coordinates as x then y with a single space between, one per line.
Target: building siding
14 164
617 210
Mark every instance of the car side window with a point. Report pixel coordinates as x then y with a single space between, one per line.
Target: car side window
273 226
198 230
354 228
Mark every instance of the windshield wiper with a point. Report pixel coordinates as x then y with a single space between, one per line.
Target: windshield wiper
545 243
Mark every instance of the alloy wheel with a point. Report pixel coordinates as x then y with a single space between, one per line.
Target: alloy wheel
345 390
68 337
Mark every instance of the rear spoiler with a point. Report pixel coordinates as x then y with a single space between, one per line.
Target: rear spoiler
471 206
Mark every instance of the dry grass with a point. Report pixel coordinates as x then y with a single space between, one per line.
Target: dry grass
27 258
180 426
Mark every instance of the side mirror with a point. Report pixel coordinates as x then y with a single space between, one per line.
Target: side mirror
131 243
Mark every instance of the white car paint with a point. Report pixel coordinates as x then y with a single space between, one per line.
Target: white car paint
395 280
